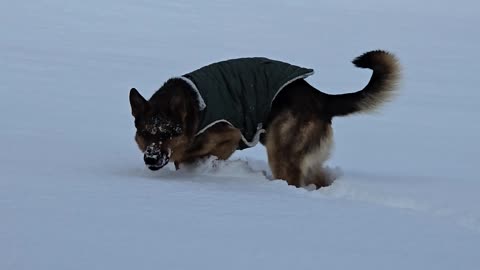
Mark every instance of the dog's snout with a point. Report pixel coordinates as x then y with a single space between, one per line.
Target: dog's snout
151 155
152 150
155 158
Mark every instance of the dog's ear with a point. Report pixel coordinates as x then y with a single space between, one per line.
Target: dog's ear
138 103
177 105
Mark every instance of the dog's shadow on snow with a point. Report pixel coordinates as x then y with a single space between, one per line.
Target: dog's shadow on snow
206 168
209 170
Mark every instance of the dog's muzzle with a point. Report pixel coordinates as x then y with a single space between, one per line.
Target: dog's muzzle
155 158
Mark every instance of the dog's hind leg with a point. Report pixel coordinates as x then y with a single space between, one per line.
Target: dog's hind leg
282 149
312 162
297 146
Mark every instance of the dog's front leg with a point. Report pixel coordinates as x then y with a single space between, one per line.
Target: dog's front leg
177 165
220 140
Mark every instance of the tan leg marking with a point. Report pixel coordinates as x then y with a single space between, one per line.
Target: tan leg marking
220 140
297 149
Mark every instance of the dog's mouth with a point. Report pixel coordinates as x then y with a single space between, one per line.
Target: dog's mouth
156 167
156 159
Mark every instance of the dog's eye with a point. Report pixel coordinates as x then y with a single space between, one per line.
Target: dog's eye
164 136
169 134
177 131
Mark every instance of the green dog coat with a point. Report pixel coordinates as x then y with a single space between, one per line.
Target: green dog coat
240 92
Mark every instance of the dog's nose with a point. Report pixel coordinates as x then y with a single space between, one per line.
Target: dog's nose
150 160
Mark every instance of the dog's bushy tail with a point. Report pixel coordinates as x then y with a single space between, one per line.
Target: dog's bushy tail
380 88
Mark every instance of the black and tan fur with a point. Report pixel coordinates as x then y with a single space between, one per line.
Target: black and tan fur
298 135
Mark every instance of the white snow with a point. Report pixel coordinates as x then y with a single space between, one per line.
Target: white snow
75 194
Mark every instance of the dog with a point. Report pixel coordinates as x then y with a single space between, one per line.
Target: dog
234 104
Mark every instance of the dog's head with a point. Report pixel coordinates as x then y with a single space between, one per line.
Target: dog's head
159 128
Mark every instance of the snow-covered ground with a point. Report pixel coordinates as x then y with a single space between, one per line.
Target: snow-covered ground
74 193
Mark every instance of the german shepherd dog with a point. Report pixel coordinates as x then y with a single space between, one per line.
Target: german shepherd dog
298 136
